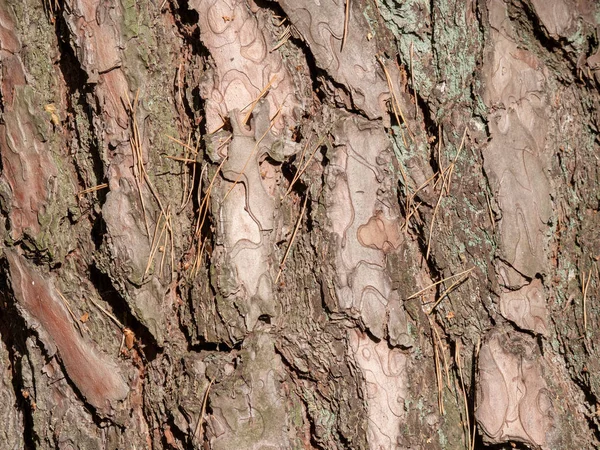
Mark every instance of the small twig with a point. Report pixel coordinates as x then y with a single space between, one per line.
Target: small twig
180 159
451 288
346 20
299 173
109 315
446 176
462 385
584 289
203 410
256 100
395 103
412 79
490 211
183 144
287 252
68 306
283 38
438 282
92 189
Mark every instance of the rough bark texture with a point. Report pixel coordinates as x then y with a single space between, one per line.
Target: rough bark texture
243 224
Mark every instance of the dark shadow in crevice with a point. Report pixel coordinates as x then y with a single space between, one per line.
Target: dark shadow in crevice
591 400
432 130
78 89
1 114
188 296
221 347
14 334
186 20
472 395
586 389
195 341
294 373
179 435
556 54
98 231
289 169
512 445
314 71
319 77
120 308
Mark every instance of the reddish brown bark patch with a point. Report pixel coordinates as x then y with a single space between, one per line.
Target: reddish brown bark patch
96 377
28 168
379 233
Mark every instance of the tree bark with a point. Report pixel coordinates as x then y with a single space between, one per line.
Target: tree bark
267 225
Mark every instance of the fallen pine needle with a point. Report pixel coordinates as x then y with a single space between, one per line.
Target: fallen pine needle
256 100
346 20
204 205
451 288
93 189
304 167
584 289
395 103
109 315
412 78
283 38
68 306
439 377
203 410
462 385
438 282
287 252
180 159
446 176
183 144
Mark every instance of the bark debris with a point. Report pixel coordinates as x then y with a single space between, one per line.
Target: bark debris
257 224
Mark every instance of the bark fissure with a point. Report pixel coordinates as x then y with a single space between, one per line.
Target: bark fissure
221 228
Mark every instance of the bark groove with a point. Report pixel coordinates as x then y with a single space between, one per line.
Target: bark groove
290 224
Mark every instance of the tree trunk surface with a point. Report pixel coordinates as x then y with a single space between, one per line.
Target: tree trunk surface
296 224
